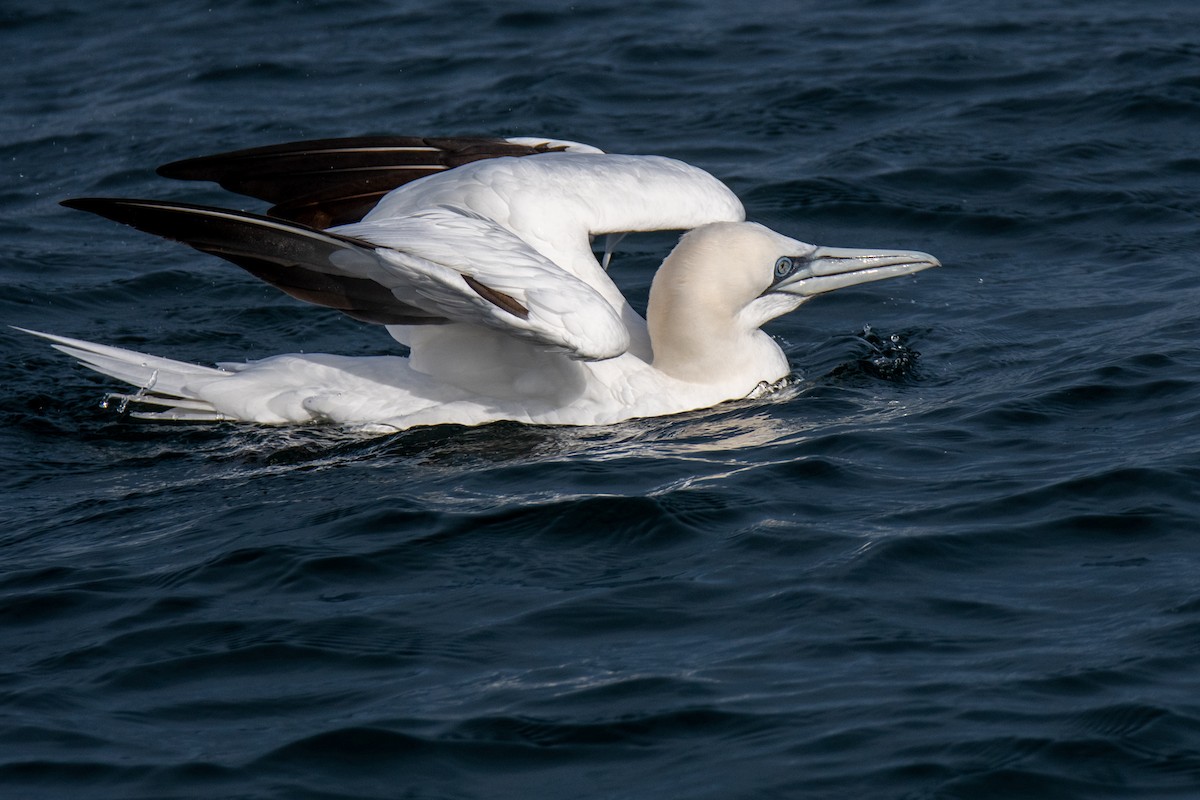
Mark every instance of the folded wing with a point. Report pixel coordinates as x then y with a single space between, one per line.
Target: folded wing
436 266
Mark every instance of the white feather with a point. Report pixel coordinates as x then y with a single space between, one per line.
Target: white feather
539 332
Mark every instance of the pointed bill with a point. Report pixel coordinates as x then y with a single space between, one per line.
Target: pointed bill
829 268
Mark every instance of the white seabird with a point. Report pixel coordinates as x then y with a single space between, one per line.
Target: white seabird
476 254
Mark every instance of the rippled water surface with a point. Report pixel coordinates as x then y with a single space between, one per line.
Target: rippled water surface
969 573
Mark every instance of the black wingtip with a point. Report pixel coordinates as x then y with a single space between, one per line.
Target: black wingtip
114 208
98 204
80 203
169 171
128 210
187 169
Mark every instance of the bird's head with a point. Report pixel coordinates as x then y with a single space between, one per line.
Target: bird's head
755 274
723 281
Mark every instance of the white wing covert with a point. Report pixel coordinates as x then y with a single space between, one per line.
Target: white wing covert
427 268
451 262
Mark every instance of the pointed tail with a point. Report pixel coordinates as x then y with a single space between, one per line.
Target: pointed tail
160 382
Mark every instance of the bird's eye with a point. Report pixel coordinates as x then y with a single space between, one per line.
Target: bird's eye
783 267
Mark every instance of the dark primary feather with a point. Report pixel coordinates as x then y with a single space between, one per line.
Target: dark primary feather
327 182
314 185
292 257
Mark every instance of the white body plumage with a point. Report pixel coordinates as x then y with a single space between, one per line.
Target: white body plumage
529 325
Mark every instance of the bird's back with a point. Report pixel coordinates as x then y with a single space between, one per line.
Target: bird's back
556 203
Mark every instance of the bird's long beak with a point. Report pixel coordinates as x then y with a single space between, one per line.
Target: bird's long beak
829 268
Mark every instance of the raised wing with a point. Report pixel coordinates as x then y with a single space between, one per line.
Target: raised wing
327 182
310 265
437 249
437 266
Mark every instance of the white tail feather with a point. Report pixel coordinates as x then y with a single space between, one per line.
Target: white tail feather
181 415
160 381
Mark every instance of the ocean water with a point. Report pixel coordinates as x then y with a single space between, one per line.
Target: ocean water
958 558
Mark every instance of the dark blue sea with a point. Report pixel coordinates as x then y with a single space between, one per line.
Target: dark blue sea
959 558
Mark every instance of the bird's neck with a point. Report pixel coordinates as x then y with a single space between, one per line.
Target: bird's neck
699 336
699 352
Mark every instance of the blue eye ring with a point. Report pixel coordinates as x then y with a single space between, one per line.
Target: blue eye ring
784 267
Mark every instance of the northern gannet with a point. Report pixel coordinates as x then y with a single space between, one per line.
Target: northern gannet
476 254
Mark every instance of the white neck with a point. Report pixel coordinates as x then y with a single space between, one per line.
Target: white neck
700 315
